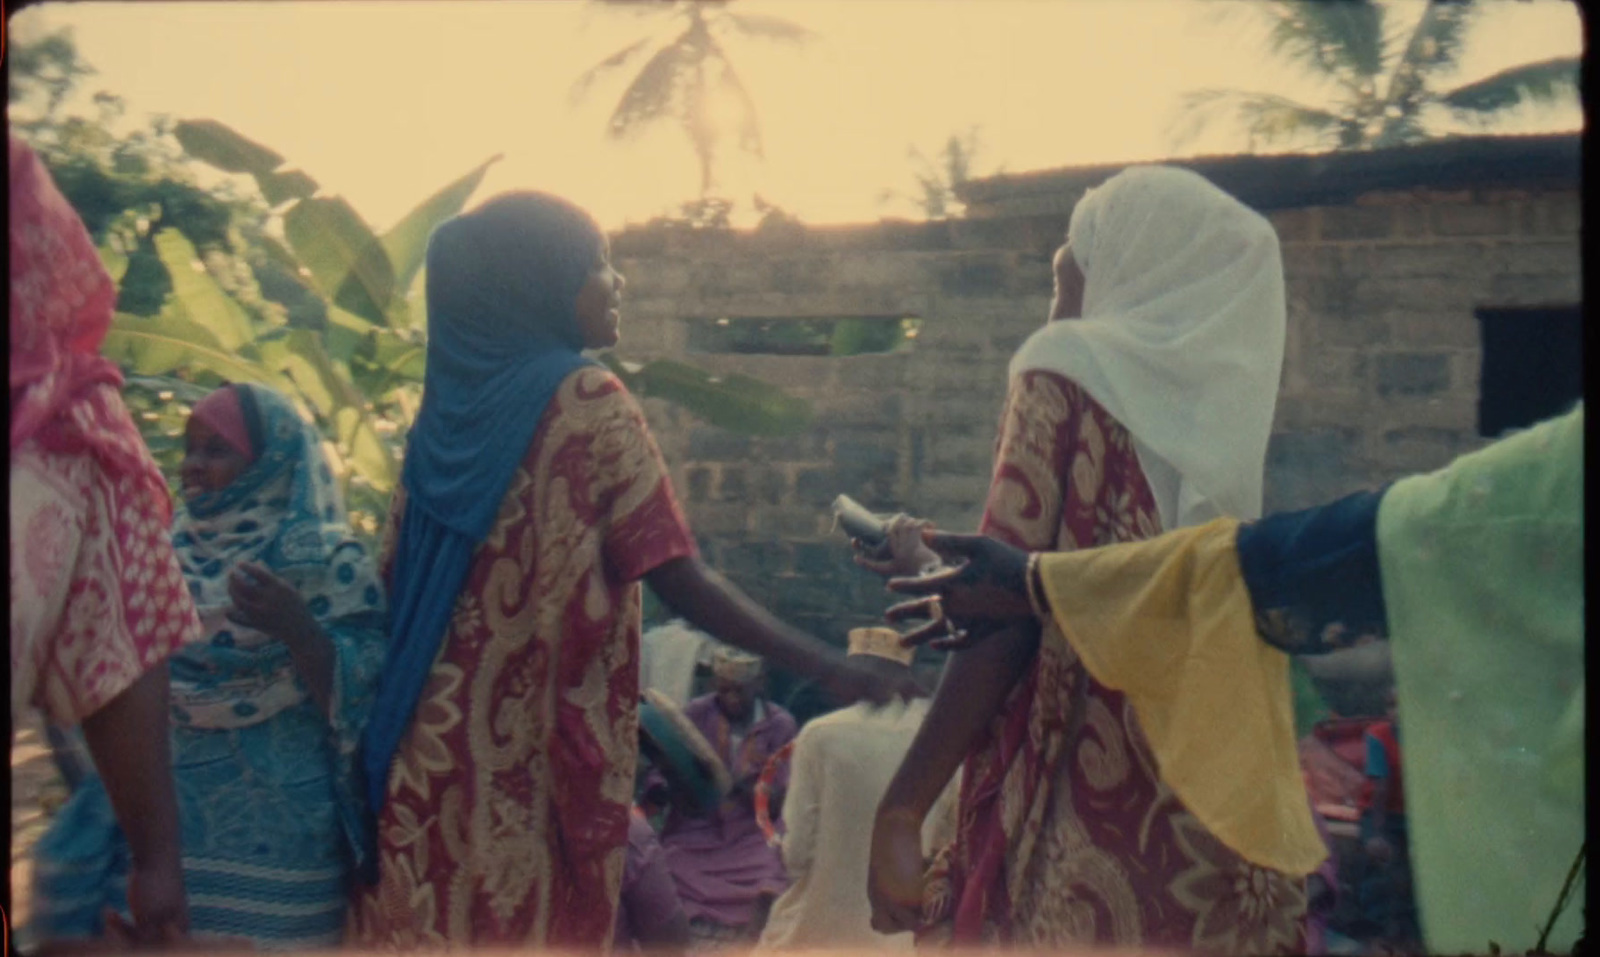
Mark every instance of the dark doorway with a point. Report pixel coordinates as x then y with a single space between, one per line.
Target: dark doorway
1532 366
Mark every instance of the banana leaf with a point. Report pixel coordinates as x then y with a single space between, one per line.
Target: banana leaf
199 296
279 188
163 344
345 259
407 242
737 403
219 145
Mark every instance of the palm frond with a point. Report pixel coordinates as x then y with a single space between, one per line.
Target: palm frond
729 84
1434 47
1439 38
1267 117
1339 39
581 86
659 90
770 28
1547 81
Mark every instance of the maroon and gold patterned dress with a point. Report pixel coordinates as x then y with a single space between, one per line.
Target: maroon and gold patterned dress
1067 835
506 822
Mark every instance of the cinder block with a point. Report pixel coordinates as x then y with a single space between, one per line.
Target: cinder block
1411 373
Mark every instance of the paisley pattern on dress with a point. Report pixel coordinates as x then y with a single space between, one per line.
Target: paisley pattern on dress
1067 836
506 822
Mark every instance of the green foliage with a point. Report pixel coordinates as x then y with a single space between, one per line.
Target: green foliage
1309 706
938 177
1386 81
209 293
735 402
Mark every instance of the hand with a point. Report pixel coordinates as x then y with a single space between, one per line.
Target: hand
902 552
986 592
895 871
265 602
849 682
157 900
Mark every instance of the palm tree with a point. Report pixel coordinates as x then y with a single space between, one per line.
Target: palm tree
938 177
689 78
1387 81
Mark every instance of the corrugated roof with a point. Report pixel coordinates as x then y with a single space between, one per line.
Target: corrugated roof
1288 180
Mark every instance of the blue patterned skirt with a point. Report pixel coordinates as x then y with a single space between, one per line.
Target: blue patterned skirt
264 856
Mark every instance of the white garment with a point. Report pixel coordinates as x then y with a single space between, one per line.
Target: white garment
668 655
1181 338
841 767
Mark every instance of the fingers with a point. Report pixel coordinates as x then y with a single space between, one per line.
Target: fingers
928 607
950 545
882 566
932 631
926 584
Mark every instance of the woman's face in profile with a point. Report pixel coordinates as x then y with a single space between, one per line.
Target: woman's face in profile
210 463
600 302
1067 303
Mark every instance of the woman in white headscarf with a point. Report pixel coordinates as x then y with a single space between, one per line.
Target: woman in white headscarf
1144 404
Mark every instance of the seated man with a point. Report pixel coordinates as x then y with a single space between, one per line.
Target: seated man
841 767
726 874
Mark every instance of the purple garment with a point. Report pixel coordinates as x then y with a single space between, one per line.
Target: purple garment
1317 916
721 863
650 901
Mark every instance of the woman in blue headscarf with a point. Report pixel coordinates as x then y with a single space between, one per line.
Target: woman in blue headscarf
267 709
500 758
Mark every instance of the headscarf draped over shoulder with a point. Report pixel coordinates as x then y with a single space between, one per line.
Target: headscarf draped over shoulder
1181 337
503 284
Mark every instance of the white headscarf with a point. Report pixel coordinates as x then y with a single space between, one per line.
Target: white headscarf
1181 338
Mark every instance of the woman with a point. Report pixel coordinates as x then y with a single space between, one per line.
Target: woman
267 708
501 756
1474 572
97 602
1145 403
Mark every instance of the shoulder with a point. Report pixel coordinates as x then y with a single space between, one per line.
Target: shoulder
591 383
781 719
1050 394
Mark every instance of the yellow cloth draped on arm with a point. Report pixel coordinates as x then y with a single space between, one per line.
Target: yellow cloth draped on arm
1168 622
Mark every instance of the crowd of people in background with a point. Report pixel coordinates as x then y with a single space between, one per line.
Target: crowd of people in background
297 743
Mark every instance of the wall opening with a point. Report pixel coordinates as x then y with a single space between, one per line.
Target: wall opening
802 335
1532 366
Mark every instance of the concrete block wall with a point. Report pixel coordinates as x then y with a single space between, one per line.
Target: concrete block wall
1380 373
1384 347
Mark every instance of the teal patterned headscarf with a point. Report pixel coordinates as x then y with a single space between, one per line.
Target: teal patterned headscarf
284 511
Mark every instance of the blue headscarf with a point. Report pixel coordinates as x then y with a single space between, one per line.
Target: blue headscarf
503 283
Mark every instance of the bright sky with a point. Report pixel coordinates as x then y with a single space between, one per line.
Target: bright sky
385 102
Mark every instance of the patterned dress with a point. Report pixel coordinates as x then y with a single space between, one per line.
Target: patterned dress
1067 836
506 821
267 805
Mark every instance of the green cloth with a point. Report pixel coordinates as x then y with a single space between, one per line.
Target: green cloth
1482 565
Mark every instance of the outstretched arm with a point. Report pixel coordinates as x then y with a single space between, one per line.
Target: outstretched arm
974 688
717 606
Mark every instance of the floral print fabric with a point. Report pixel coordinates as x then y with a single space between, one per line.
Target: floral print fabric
506 822
1066 834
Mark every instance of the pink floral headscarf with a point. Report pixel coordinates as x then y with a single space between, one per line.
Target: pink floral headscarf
63 392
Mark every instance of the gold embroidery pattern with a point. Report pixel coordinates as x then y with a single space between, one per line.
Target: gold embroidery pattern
1239 908
503 691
